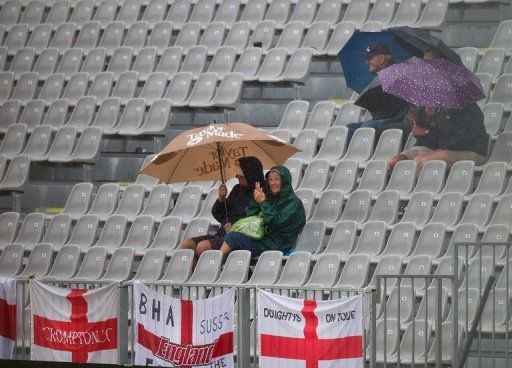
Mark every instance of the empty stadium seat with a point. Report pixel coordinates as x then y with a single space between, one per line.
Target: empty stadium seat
151 266
65 265
11 260
93 265
58 230
179 267
39 262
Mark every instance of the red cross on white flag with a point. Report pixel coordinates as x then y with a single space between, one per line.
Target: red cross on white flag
309 333
75 325
7 317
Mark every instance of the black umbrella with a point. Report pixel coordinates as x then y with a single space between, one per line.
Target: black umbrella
372 98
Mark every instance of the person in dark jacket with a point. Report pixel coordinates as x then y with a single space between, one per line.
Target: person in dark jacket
462 136
228 209
424 129
283 216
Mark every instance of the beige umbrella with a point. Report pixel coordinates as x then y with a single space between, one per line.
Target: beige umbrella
209 153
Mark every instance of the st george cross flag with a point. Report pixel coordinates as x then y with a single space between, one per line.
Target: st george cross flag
7 317
309 333
183 333
74 325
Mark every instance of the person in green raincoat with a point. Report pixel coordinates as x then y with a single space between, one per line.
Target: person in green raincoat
283 216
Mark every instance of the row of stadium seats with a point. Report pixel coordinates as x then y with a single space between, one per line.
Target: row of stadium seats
281 12
493 61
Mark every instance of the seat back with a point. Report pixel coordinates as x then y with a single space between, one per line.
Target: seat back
93 264
179 267
120 266
151 266
84 233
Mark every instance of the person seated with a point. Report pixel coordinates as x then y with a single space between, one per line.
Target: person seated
423 128
228 209
378 57
283 216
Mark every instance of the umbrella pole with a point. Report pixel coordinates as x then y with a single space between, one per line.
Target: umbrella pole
219 152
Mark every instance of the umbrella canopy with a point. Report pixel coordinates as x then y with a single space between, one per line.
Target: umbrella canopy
404 42
372 98
209 153
432 83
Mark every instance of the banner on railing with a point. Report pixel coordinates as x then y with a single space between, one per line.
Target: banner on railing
173 333
310 333
7 317
74 325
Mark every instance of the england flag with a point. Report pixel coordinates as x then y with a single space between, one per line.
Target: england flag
298 333
7 317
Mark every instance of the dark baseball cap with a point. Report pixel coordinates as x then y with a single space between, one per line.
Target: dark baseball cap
377 48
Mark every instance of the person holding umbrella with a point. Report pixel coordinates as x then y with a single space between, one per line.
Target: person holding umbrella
228 209
283 216
384 108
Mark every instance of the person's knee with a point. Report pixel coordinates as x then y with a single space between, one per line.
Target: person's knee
203 246
187 244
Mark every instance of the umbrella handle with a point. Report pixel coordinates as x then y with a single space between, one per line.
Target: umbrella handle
219 151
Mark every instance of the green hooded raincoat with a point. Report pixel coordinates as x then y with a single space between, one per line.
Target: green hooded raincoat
284 215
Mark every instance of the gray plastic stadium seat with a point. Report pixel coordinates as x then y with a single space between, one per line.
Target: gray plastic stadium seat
296 270
229 92
295 116
360 147
430 242
333 144
82 12
101 86
6 83
386 207
155 11
58 230
317 37
9 111
460 178
58 13
129 12
321 117
227 12
8 227
39 262
400 241
206 207
372 239
76 87
156 122
63 36
131 118
179 88
431 178
145 62
112 36
120 266
188 36
267 268
478 210
495 310
159 201
179 267
419 208
254 11
197 227
389 145
249 62
187 204
374 177
65 265
94 61
273 65
486 83
10 12
151 266
87 38
168 234
14 141
399 305
342 239
469 57
203 90
113 232
160 36
62 145
3 165
344 176
388 265
329 207
357 206
16 38
462 233
83 113
311 237
418 265
32 114
22 61
105 201
508 190
279 11
238 35
131 201
403 177
492 62
492 180
316 175
387 341
207 271
433 15
263 34
106 11
291 36
11 260
502 92
16 176
503 212
203 11
154 87
108 113
93 265
324 274
306 142
382 11
52 88
70 62
87 148
223 61
121 60
355 272
140 233
179 12
236 269
502 35
297 68
25 89
194 61
357 12
84 233
304 11
422 332
448 209
502 149
329 11
213 36
40 37
407 13
477 274
149 182
307 196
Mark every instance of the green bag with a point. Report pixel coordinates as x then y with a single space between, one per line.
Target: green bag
251 226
